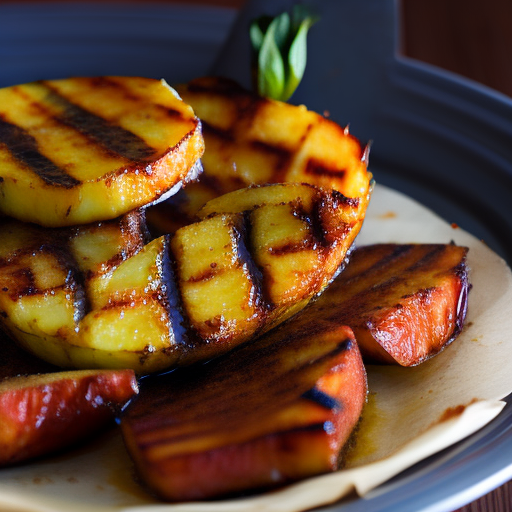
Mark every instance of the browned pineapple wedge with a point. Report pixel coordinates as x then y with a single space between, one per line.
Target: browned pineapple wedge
16 361
405 303
253 140
79 150
274 411
96 296
45 413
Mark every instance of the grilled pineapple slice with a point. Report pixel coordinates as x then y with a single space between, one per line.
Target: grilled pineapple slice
405 303
279 409
46 275
96 296
253 140
80 150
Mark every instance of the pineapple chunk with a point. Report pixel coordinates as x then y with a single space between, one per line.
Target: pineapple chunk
252 140
80 150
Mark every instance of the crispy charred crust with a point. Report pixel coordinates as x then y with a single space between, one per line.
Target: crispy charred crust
112 138
25 281
329 226
54 242
171 424
317 168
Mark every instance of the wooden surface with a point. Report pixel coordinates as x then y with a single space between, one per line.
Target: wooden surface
472 39
469 37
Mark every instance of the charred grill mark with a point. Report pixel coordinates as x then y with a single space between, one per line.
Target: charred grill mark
291 248
25 283
74 281
245 256
175 438
52 242
134 223
240 240
429 258
24 148
281 155
338 199
325 229
111 137
171 113
392 273
398 252
208 274
100 82
261 285
209 130
179 323
317 168
317 226
152 408
323 399
121 90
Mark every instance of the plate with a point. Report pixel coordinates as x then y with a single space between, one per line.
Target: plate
440 139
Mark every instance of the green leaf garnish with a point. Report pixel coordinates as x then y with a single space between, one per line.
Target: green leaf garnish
280 52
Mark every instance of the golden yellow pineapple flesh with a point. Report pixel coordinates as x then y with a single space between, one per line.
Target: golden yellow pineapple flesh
80 150
253 140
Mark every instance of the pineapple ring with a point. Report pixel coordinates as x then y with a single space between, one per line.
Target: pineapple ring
80 150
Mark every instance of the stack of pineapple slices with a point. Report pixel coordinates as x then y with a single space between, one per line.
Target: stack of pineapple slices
264 229
83 285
